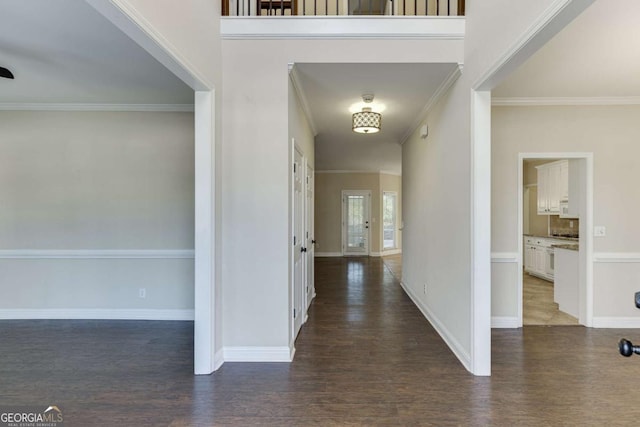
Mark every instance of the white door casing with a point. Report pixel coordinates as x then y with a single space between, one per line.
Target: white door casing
356 231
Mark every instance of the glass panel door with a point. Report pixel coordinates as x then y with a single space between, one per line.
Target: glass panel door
356 222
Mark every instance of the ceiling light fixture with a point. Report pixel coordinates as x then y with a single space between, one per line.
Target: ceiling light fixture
366 121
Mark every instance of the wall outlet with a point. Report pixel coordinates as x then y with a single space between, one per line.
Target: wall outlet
142 292
599 231
425 288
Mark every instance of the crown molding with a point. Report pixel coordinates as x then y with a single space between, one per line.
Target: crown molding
437 95
297 85
565 101
343 27
168 108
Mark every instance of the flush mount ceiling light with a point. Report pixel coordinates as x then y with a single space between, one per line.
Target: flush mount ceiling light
366 121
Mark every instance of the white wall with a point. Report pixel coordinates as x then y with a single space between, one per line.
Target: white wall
437 181
610 132
115 192
256 170
436 211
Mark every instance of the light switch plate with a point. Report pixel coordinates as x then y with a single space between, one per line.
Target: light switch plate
599 231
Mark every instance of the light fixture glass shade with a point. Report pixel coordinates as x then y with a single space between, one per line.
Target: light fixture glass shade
366 121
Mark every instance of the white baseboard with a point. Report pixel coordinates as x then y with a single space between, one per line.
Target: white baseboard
616 322
258 354
327 254
391 252
444 333
218 359
375 254
504 322
96 314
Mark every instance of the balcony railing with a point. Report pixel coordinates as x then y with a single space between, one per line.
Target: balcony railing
343 7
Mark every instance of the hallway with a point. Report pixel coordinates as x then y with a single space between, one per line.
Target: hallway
366 357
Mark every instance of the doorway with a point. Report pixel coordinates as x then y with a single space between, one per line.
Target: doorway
555 278
356 206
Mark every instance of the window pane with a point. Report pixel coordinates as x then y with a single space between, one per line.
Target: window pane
389 220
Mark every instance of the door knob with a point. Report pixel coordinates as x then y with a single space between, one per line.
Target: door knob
313 242
303 249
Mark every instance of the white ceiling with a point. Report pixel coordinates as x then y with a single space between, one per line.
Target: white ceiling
596 55
334 91
64 51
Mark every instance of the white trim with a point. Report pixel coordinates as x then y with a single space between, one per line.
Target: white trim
617 257
504 257
343 27
96 107
96 254
327 254
304 103
258 354
218 359
396 251
204 229
568 101
374 254
133 23
444 333
506 322
358 171
438 94
616 322
96 314
546 26
480 234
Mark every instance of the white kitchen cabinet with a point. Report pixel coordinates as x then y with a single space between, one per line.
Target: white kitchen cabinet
535 260
539 256
570 204
553 184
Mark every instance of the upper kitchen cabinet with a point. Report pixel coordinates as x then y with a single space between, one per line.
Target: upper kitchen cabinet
550 188
570 208
558 188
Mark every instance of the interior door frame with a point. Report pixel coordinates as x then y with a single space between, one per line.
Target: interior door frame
586 232
302 166
367 194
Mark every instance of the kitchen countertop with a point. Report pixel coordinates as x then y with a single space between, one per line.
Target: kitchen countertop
569 247
571 239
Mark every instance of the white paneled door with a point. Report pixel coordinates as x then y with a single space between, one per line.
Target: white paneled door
310 287
298 242
356 206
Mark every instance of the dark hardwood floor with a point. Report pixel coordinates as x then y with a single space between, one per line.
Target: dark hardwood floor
365 357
